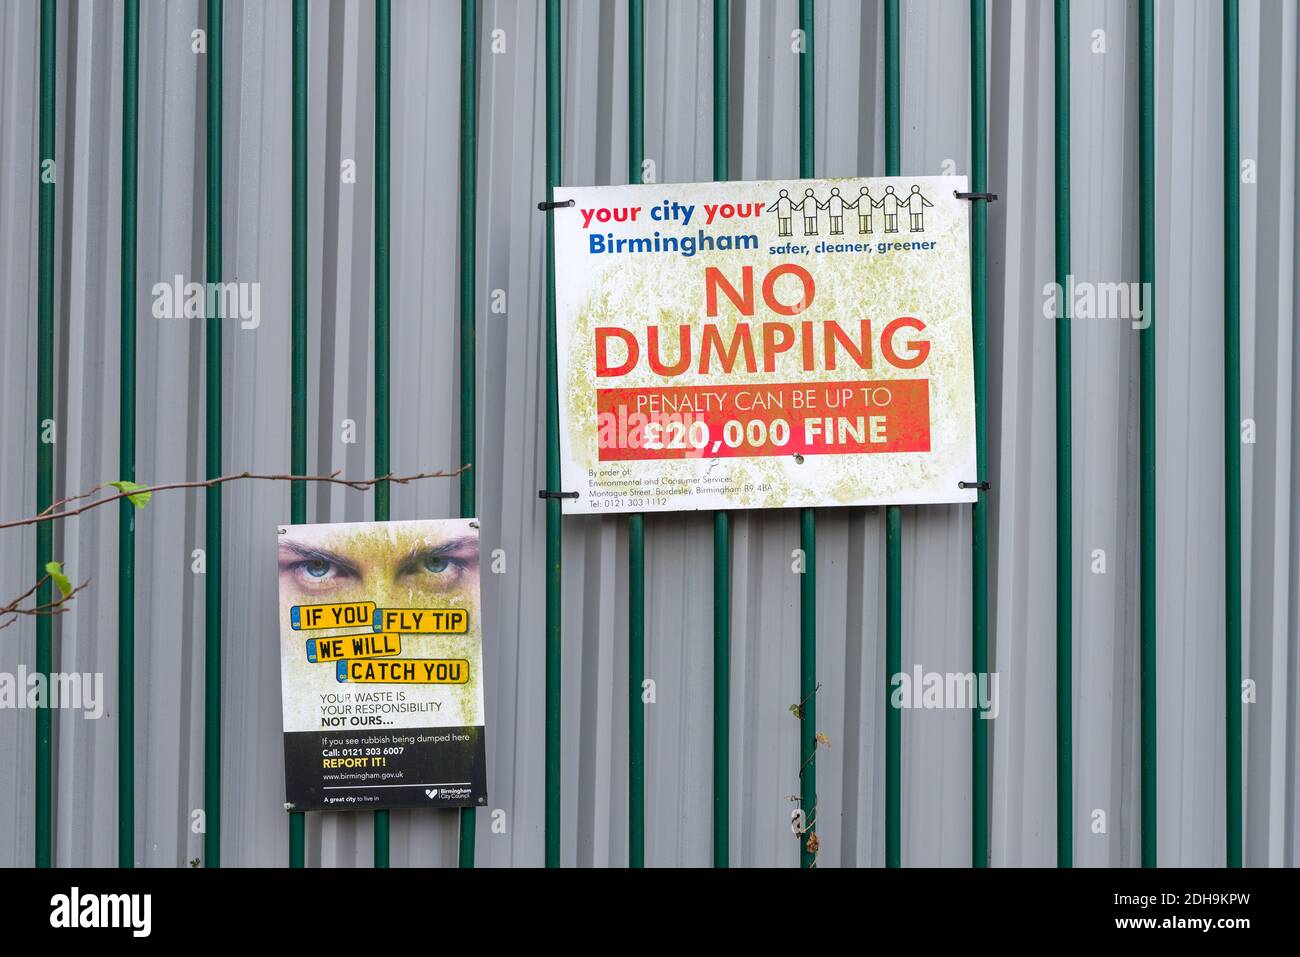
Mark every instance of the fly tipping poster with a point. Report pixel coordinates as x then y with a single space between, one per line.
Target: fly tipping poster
381 665
764 344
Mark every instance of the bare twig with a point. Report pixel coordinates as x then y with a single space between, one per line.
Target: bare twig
13 605
57 607
49 514
9 613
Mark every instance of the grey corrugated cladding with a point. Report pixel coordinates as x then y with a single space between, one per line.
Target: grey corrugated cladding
936 745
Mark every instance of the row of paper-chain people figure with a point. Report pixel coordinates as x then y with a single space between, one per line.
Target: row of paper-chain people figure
889 203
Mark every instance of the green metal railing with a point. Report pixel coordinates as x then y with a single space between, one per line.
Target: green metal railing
212 463
45 371
1147 419
807 516
554 138
635 523
46 178
468 315
126 442
979 153
1232 425
298 333
468 368
893 514
1064 479
721 519
383 143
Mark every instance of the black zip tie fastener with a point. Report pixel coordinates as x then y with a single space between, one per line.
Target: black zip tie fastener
544 493
982 486
990 197
546 206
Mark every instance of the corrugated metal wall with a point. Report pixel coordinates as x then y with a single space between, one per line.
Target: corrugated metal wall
935 117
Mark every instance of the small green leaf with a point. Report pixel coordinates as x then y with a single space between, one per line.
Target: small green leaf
55 571
139 499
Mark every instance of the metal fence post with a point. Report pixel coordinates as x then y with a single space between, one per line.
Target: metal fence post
468 315
979 538
636 523
1232 424
46 172
893 514
212 459
553 516
298 349
1064 476
1147 420
721 520
126 443
807 516
383 139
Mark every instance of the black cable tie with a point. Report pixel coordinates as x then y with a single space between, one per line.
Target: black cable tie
546 206
982 486
991 197
543 493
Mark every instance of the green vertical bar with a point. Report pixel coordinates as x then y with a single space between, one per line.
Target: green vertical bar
1232 422
893 514
1147 420
126 444
1064 487
212 462
636 710
383 135
298 360
468 366
553 142
44 813
721 520
893 86
636 523
893 666
979 538
808 681
721 688
807 518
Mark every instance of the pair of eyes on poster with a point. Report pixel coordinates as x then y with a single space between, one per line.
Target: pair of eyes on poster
419 565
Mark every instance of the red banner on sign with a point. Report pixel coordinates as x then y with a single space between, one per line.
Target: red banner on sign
785 418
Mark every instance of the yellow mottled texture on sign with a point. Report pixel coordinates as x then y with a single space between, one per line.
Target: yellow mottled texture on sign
419 564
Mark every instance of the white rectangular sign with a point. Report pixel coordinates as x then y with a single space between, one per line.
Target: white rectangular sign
381 665
764 344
